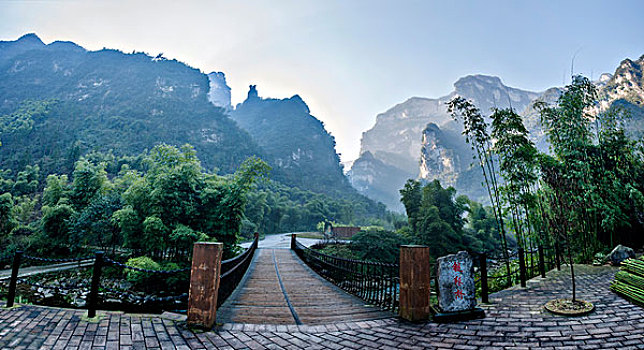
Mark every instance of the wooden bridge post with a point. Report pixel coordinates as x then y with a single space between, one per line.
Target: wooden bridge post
204 284
14 278
293 245
414 283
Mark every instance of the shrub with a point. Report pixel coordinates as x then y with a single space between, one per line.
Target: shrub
140 278
378 245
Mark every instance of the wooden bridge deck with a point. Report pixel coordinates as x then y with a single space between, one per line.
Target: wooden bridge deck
280 289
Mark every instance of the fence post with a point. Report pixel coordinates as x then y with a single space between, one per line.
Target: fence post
414 283
558 256
256 241
92 298
542 262
204 284
484 287
522 272
293 245
14 278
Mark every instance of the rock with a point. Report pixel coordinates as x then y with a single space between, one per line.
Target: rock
619 254
456 289
79 302
124 285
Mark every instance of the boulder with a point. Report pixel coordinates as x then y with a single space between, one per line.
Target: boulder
619 254
456 288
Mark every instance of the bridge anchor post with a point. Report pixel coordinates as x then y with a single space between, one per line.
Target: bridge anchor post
204 284
414 283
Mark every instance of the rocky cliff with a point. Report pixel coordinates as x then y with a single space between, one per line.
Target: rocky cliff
418 139
219 93
297 146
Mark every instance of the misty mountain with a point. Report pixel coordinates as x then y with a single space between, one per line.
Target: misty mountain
296 144
421 127
106 100
59 102
219 93
418 137
625 89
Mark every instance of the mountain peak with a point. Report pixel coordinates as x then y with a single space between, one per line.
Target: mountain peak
31 38
252 93
300 102
219 92
478 78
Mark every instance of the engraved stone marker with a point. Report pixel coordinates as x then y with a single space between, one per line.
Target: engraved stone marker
456 288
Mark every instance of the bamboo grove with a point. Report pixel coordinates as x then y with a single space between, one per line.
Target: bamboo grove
585 193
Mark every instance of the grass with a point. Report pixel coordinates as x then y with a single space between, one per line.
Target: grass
312 235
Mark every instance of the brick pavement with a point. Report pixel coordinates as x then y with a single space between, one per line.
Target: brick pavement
515 320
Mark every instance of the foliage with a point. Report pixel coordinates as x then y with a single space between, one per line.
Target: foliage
56 225
273 207
167 208
436 219
377 245
141 278
340 250
475 129
7 218
592 183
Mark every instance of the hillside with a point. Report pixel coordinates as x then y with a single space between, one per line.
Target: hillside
397 141
418 139
106 100
301 152
59 102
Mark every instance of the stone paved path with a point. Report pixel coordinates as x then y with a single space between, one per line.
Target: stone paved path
515 320
277 278
5 274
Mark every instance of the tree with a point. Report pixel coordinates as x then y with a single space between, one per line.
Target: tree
57 188
411 197
7 218
90 181
377 245
27 181
517 165
476 134
95 223
56 226
436 218
587 192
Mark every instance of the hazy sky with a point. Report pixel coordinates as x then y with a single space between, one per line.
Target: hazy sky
350 60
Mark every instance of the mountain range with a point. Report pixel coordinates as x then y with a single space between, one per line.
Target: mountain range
59 102
417 139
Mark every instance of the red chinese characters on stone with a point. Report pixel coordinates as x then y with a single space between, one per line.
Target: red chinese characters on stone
458 294
457 267
457 281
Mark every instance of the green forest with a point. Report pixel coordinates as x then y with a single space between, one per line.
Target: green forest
157 204
86 142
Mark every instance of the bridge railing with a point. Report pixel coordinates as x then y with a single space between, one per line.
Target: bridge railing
101 293
493 272
233 270
377 283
